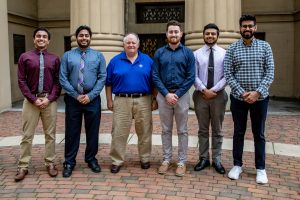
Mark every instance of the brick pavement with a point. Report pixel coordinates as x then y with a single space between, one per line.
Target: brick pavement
135 183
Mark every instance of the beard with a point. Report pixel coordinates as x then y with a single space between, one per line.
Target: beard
174 40
210 43
83 46
247 36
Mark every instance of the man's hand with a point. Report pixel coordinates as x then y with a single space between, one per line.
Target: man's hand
208 94
83 99
154 104
171 99
251 97
42 102
110 105
38 102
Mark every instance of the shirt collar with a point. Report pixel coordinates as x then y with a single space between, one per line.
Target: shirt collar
207 48
254 40
179 47
124 57
80 51
45 51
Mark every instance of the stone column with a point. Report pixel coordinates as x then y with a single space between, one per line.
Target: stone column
5 88
106 19
224 13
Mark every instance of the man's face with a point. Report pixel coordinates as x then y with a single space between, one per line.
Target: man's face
247 29
210 36
83 39
41 40
174 35
131 45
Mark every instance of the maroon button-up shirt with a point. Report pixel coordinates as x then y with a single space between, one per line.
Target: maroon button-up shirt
29 71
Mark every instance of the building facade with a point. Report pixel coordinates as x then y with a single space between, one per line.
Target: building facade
278 23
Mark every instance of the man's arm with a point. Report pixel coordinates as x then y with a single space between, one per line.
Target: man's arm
269 72
229 72
189 73
23 82
108 90
156 75
64 76
56 89
101 77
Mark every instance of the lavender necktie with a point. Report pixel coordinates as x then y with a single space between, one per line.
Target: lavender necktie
80 75
41 76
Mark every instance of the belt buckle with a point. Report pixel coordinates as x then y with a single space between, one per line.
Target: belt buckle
41 95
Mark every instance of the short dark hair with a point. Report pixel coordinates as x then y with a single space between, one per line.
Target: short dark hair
83 27
173 23
213 26
41 29
247 18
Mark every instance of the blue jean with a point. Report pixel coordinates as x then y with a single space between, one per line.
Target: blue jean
73 120
258 115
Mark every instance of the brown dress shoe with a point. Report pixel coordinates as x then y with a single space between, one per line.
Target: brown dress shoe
21 173
51 169
115 168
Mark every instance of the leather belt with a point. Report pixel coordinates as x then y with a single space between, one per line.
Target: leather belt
134 95
42 95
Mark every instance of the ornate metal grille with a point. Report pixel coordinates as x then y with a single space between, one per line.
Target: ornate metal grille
159 12
149 43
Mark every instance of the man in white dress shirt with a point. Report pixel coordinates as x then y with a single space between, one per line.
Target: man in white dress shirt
210 98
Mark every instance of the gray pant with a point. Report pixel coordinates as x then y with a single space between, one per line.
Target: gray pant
210 112
167 113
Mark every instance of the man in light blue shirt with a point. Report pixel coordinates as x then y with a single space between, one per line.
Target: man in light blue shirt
82 76
210 98
173 74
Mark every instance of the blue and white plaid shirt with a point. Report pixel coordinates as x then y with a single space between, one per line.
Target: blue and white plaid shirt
249 68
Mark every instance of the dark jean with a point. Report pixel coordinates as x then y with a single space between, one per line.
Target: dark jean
258 115
73 120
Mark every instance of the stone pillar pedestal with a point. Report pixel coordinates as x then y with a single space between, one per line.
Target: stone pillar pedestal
106 19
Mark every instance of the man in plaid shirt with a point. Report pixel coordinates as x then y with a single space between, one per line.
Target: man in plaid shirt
249 71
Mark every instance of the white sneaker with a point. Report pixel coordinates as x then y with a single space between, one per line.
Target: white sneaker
261 176
235 172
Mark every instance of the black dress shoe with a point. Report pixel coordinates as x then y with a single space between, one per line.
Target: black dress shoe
218 167
203 163
95 167
67 172
115 168
145 165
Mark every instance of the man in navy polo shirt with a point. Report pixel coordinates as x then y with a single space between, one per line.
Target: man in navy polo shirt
129 78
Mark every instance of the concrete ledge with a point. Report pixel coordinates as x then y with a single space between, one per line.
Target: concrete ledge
105 138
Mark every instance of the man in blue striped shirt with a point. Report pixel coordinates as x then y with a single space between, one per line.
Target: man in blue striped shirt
249 71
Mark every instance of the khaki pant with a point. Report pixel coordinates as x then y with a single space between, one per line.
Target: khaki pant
126 109
31 115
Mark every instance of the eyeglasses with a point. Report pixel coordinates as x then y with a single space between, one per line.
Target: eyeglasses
245 26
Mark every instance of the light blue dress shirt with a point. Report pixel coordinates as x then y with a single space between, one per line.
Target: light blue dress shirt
94 72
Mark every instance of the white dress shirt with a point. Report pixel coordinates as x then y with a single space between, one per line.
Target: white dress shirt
201 65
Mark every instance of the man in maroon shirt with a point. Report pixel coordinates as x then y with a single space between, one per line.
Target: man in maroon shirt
38 78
